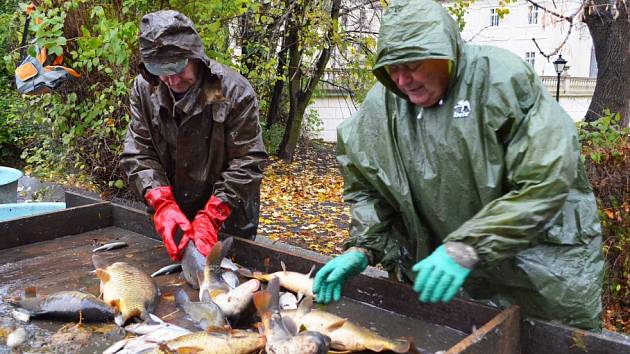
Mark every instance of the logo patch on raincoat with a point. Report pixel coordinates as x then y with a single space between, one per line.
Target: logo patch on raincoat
462 109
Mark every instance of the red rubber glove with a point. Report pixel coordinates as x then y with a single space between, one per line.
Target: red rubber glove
207 223
167 218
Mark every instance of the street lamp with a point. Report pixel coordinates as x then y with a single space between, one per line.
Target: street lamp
559 66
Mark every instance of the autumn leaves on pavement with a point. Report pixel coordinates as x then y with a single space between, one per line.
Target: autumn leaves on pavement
301 203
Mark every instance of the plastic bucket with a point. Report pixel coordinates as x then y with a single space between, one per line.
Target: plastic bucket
19 210
8 184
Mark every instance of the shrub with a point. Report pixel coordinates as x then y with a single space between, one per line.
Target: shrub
606 152
272 137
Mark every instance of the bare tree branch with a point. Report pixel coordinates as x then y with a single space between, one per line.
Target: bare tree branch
478 33
559 15
555 51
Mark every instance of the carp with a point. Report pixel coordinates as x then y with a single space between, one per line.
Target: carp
65 306
211 279
347 337
205 313
279 339
216 341
129 290
299 283
193 263
233 302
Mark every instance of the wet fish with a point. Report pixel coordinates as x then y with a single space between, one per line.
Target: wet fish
171 268
128 289
348 336
17 337
193 262
212 281
230 278
279 339
216 341
227 263
192 265
65 306
110 246
288 301
205 314
152 326
236 304
149 339
301 284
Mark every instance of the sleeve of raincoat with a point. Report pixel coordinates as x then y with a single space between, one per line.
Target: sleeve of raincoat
139 159
541 158
372 215
245 151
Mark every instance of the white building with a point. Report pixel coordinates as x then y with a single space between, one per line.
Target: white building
528 32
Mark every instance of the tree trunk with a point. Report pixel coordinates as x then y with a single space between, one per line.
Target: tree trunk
298 97
610 29
293 126
276 95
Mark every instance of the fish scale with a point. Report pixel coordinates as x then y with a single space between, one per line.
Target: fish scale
129 289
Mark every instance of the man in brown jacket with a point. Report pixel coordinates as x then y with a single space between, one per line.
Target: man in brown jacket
194 150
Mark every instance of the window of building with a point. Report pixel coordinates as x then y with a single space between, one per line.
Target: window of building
494 17
530 58
532 15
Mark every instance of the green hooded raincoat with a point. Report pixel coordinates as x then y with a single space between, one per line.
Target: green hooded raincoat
495 165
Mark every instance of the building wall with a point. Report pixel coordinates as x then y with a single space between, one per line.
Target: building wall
332 111
514 33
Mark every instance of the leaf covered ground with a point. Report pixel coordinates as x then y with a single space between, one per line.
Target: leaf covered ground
301 202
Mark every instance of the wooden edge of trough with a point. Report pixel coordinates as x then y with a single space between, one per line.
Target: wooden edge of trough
48 226
547 337
501 335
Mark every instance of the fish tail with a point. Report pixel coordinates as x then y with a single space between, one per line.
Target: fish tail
214 257
273 287
227 246
245 272
181 297
30 291
400 345
262 301
99 261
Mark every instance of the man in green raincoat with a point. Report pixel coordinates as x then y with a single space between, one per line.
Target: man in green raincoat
462 170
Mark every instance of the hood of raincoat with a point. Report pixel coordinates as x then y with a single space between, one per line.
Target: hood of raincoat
427 32
494 165
167 36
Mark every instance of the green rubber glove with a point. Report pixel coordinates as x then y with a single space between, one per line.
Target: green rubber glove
439 277
330 279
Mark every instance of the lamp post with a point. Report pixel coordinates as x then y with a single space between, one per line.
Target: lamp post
559 66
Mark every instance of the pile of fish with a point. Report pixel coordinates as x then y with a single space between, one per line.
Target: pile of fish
232 317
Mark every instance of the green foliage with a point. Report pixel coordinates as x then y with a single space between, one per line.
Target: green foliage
603 138
458 10
81 126
312 124
16 131
606 153
272 137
